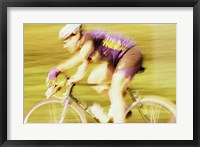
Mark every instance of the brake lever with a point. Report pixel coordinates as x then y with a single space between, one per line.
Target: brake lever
52 90
54 87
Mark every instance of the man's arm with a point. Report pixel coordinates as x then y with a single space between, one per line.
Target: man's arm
78 59
81 72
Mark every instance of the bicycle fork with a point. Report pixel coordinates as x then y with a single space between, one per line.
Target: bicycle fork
66 102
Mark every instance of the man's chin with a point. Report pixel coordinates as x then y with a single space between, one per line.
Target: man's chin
68 50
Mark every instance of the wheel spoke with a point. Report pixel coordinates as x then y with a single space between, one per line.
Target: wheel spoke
52 111
154 113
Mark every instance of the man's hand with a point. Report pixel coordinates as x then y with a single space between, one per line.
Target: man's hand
73 79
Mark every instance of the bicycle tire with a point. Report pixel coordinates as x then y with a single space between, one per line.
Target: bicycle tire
78 115
146 106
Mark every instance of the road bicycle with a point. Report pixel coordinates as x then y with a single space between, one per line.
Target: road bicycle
69 109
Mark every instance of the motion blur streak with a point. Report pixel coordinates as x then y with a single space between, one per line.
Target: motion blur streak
43 50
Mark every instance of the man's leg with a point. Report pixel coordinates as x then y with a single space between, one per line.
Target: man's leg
101 74
119 84
126 68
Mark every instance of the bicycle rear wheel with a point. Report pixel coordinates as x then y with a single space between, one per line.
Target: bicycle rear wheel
151 109
51 111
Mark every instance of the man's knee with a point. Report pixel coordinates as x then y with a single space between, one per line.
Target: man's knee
115 93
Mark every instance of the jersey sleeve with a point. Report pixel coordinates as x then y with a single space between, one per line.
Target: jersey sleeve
88 37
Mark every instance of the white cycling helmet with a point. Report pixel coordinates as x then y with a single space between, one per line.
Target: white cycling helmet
69 29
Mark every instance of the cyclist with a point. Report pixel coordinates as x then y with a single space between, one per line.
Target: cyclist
120 60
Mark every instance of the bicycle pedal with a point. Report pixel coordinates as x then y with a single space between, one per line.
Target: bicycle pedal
129 114
110 120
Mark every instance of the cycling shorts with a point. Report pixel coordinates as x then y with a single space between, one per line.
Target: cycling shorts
130 62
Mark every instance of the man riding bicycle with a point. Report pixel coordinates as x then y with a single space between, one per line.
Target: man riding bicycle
120 61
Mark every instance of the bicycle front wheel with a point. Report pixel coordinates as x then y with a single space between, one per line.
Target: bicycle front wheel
55 111
151 109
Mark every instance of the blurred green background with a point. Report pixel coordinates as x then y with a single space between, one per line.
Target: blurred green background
43 50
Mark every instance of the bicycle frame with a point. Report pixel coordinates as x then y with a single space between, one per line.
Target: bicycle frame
69 100
82 104
133 94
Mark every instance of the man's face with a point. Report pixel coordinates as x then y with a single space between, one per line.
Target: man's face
71 43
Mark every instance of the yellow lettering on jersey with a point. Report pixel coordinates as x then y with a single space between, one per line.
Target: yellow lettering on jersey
113 44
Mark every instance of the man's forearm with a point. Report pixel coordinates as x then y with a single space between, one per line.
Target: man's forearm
78 58
70 63
81 72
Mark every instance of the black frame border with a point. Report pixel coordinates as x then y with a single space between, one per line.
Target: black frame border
4 4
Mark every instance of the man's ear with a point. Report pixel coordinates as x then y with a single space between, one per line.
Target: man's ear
78 34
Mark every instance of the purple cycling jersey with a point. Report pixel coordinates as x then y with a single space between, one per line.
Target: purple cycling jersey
109 46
